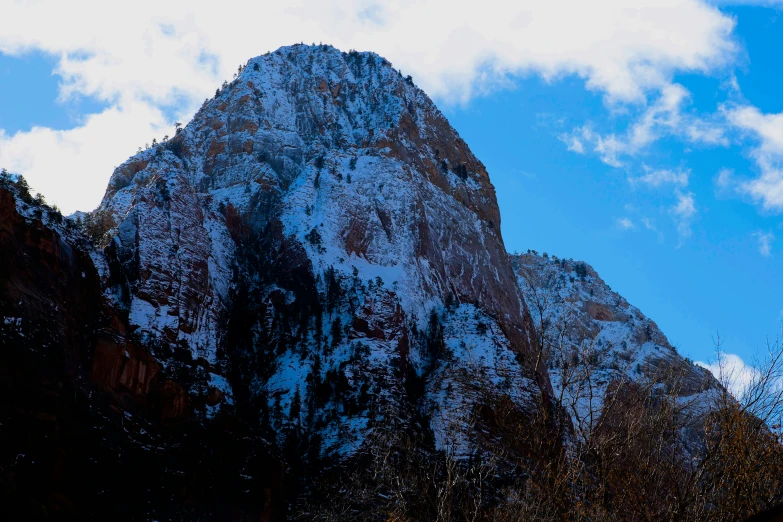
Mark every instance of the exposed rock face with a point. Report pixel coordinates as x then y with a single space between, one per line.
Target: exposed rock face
165 258
589 329
85 411
325 207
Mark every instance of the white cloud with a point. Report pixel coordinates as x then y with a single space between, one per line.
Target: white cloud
574 144
768 129
640 222
765 240
683 212
157 55
71 167
708 132
609 147
625 223
732 370
664 117
659 177
725 181
621 48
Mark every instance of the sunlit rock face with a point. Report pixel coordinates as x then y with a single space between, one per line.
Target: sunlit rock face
303 229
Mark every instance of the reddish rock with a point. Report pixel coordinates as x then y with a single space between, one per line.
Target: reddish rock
85 411
173 402
214 397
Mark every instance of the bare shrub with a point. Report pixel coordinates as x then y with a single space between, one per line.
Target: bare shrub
652 447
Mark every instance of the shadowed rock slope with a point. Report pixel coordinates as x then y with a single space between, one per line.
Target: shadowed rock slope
92 426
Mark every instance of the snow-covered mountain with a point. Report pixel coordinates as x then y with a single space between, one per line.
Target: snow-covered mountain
308 225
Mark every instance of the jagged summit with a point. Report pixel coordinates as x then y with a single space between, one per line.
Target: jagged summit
568 291
320 99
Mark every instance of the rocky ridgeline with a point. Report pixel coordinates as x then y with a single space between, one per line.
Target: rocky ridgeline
592 338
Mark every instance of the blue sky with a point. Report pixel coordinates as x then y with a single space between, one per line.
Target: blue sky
31 97
646 140
715 281
567 204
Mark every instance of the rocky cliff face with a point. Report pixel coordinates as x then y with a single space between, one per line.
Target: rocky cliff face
316 254
315 230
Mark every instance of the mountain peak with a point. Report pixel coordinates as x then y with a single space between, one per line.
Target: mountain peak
325 188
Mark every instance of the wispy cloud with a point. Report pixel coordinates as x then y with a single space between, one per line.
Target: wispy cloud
583 140
765 240
574 143
659 177
725 181
664 117
625 224
684 212
649 224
